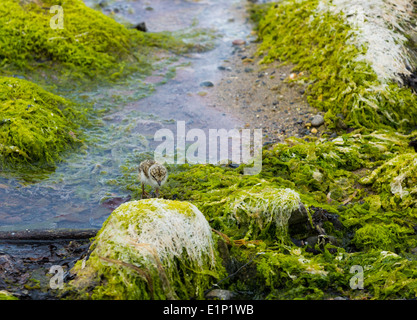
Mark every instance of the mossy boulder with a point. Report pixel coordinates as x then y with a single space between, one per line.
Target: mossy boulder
35 125
89 41
149 249
323 45
259 212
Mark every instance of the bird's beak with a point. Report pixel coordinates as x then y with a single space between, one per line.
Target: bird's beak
159 182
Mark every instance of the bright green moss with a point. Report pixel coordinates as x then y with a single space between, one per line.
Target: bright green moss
296 274
90 44
396 181
4 295
389 237
35 125
89 41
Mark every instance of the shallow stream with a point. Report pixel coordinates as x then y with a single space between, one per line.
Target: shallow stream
80 193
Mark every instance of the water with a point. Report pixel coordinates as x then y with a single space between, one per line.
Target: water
73 195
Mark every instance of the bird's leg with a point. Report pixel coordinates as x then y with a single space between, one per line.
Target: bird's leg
144 193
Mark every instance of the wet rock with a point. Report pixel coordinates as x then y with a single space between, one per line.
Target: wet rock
206 84
223 68
413 144
320 216
103 3
341 124
317 121
299 225
113 203
219 294
238 42
141 26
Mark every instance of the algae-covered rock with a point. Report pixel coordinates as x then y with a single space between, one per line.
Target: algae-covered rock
262 211
344 80
149 249
35 125
88 40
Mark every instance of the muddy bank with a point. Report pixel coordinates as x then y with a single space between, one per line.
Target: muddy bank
264 96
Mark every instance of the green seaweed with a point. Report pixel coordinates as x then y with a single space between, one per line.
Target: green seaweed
340 83
89 41
36 126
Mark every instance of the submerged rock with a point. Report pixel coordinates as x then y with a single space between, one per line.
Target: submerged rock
206 84
238 42
149 249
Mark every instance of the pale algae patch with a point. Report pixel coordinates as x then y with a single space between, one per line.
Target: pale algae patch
260 206
380 25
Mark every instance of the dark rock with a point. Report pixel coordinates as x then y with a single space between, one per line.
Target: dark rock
320 216
103 3
341 116
206 84
341 124
299 225
141 26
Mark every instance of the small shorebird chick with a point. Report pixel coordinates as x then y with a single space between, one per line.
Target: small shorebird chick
153 174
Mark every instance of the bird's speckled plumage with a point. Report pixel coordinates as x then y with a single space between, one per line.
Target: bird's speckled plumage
153 174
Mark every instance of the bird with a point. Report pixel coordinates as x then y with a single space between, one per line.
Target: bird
153 174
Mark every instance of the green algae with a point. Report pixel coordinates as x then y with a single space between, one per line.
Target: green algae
36 126
365 177
326 173
89 40
4 295
395 180
296 274
150 249
89 45
340 83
